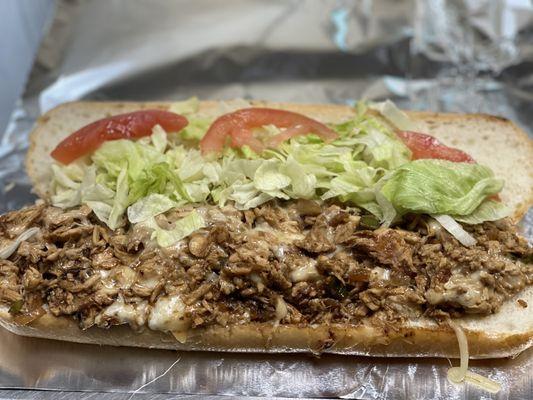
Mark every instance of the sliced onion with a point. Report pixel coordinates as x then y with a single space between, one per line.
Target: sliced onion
462 374
457 374
10 249
394 115
456 230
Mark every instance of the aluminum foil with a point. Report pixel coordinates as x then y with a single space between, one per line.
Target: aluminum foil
45 364
459 55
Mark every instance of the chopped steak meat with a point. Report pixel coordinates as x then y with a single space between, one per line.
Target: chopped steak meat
291 263
319 239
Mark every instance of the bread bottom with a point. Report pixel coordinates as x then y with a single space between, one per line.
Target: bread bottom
493 336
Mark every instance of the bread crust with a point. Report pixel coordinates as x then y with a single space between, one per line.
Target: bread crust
423 341
503 334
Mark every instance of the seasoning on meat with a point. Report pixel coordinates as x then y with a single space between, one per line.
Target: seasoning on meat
291 263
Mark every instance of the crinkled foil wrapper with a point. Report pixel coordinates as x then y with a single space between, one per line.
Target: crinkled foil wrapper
467 56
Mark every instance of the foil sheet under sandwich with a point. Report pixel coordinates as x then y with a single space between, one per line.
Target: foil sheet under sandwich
466 56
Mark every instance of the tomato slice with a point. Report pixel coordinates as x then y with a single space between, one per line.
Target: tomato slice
239 125
426 146
132 125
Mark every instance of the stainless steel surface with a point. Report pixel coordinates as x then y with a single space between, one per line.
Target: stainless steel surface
470 56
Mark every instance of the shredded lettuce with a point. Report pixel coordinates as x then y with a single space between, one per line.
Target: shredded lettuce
65 184
159 138
158 178
440 187
302 183
120 202
8 250
269 178
185 107
196 129
149 207
198 125
182 228
367 166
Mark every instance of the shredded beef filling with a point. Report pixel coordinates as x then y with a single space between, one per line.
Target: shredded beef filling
291 263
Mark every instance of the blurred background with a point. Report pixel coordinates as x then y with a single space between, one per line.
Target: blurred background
456 55
459 55
22 25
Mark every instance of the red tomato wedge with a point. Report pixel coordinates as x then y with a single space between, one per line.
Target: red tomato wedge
132 125
238 126
426 146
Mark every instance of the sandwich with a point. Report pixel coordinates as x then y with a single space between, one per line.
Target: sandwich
273 227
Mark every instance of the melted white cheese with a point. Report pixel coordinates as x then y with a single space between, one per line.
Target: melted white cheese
215 215
454 290
283 237
150 282
168 314
125 313
126 277
134 315
305 273
380 274
104 273
281 309
107 282
175 250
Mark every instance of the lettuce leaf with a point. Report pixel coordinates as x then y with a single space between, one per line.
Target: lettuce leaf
303 184
489 210
440 187
149 207
268 177
159 138
182 228
185 107
158 178
120 202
